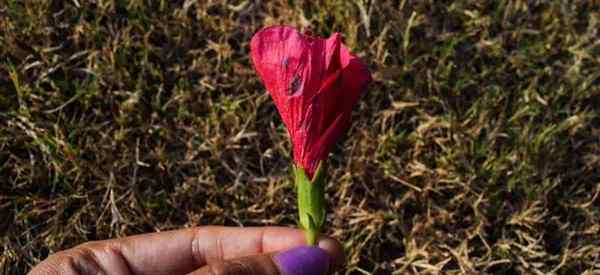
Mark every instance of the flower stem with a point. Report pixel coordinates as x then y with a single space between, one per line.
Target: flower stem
311 202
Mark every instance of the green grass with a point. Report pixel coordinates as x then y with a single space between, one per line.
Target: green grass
476 149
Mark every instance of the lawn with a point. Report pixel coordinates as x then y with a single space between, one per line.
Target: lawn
475 150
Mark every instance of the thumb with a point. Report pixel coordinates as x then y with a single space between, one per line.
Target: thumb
303 260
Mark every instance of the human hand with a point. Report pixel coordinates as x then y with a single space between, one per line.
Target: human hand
209 250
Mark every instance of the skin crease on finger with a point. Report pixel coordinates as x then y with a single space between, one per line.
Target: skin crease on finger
179 251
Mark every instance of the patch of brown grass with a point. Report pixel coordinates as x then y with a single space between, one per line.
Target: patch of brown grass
475 150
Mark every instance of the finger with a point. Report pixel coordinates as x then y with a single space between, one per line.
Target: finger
336 252
182 251
216 243
185 250
303 260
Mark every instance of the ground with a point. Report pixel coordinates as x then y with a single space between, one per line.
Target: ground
475 150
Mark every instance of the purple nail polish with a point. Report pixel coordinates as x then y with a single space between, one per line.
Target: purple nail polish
303 260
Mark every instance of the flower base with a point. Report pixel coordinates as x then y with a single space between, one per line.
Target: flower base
311 202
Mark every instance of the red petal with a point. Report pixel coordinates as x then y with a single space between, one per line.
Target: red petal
314 82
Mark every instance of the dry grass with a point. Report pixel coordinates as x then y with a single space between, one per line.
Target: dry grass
476 150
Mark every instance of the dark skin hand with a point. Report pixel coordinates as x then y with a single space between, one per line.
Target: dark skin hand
201 250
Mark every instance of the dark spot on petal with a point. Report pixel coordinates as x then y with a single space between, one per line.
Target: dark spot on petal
295 84
285 63
315 102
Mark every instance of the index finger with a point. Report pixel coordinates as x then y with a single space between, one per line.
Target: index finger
182 251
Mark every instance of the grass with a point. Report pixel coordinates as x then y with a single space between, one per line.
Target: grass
476 149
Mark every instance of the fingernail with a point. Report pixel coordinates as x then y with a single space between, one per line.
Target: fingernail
303 260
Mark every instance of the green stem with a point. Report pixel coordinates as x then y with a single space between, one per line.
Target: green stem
311 202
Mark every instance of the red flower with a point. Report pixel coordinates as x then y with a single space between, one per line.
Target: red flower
315 83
